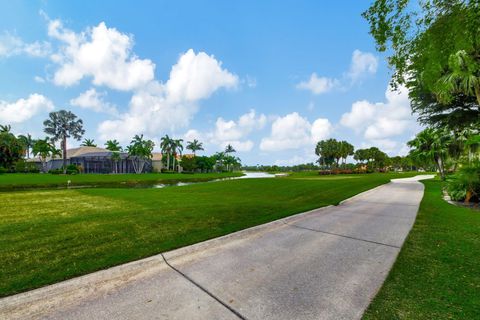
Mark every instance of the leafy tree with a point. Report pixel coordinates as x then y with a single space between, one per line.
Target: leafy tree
204 163
140 151
231 162
88 143
62 125
361 155
345 150
44 149
329 152
27 143
195 146
11 148
189 164
434 51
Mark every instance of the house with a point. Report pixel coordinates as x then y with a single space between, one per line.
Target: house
95 160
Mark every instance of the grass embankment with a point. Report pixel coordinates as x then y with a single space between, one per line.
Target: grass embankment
437 273
19 181
51 235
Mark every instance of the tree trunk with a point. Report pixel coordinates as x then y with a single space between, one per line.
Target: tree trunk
439 162
64 154
173 160
168 161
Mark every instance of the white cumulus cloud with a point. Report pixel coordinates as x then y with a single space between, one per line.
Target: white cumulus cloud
293 131
24 109
158 107
235 132
102 53
93 100
318 85
379 122
362 63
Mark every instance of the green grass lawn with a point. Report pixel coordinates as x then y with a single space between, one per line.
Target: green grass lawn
51 235
15 181
437 274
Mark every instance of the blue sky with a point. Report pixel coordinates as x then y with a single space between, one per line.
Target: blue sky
269 77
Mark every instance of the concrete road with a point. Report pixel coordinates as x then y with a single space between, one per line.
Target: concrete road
324 264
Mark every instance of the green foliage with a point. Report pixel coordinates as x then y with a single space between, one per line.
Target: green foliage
465 184
88 143
431 145
113 145
189 164
434 50
11 149
140 150
194 146
204 163
45 150
23 166
62 125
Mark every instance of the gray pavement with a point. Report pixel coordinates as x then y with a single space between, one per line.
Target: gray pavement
324 264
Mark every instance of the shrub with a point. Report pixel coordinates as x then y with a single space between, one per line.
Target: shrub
22 166
72 169
465 184
56 171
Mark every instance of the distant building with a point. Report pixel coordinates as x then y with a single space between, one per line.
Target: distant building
99 160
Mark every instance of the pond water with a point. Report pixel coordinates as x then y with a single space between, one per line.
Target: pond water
246 175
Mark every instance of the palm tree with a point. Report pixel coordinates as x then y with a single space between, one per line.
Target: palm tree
62 125
176 146
463 77
195 146
140 151
88 143
5 128
431 144
166 147
27 142
229 149
114 146
44 149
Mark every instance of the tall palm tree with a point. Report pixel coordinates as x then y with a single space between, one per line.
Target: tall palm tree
195 146
88 143
431 144
27 142
62 125
229 149
176 146
166 147
114 146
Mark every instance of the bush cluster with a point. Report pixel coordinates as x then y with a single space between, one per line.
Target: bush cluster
465 184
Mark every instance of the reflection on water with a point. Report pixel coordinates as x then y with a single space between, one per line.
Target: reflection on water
246 175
